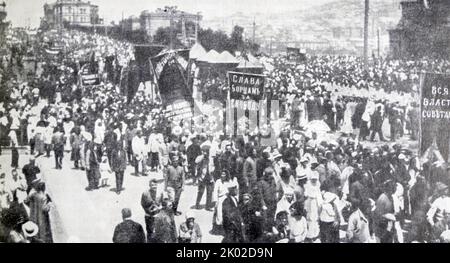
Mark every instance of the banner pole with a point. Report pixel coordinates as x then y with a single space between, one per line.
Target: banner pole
421 83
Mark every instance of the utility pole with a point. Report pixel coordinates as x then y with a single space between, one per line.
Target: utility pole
122 28
366 33
378 42
171 10
197 18
271 46
254 30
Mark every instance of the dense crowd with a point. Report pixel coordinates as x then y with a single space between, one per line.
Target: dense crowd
293 183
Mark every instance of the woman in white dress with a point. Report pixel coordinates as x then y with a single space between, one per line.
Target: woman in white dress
313 203
350 110
219 195
303 113
48 133
68 126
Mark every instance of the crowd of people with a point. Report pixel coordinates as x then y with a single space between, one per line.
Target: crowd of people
294 185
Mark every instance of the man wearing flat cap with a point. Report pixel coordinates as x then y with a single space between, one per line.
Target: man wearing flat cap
233 224
174 177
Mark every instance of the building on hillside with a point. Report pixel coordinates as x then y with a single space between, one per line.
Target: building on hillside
71 12
423 30
348 32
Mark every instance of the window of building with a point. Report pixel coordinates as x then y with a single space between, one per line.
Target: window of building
82 11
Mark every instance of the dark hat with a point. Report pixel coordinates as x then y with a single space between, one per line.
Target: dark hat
329 155
324 143
397 147
126 213
385 148
406 151
298 209
282 213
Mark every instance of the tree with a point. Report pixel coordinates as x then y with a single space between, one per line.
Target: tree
220 41
216 40
237 39
252 47
162 37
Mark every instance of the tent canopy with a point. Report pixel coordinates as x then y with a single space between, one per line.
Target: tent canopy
227 58
197 51
211 57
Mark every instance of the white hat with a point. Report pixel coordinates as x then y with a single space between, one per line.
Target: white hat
276 154
177 131
30 229
445 236
297 137
329 197
268 150
87 136
190 214
304 159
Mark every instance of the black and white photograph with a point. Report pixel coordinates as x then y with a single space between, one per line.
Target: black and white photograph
227 121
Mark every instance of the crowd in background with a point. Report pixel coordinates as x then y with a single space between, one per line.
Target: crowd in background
290 183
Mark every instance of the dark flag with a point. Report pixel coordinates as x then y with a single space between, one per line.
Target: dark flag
109 67
133 81
435 115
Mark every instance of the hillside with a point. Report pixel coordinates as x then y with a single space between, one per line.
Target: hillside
384 13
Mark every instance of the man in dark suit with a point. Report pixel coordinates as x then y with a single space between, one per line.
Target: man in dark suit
128 231
151 202
205 181
165 230
249 170
377 124
174 177
30 171
119 165
192 152
58 142
92 167
232 219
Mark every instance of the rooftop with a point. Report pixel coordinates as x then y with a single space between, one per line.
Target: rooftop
162 11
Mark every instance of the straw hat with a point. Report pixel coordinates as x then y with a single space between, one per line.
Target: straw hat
30 229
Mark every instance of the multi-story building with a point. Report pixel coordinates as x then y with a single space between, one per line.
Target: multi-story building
149 22
423 30
3 25
131 24
72 12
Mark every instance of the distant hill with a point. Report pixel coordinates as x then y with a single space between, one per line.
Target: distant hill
335 13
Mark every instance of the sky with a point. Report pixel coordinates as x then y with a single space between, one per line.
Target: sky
28 12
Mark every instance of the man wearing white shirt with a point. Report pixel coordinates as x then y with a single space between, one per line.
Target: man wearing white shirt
3 125
153 149
439 206
139 151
